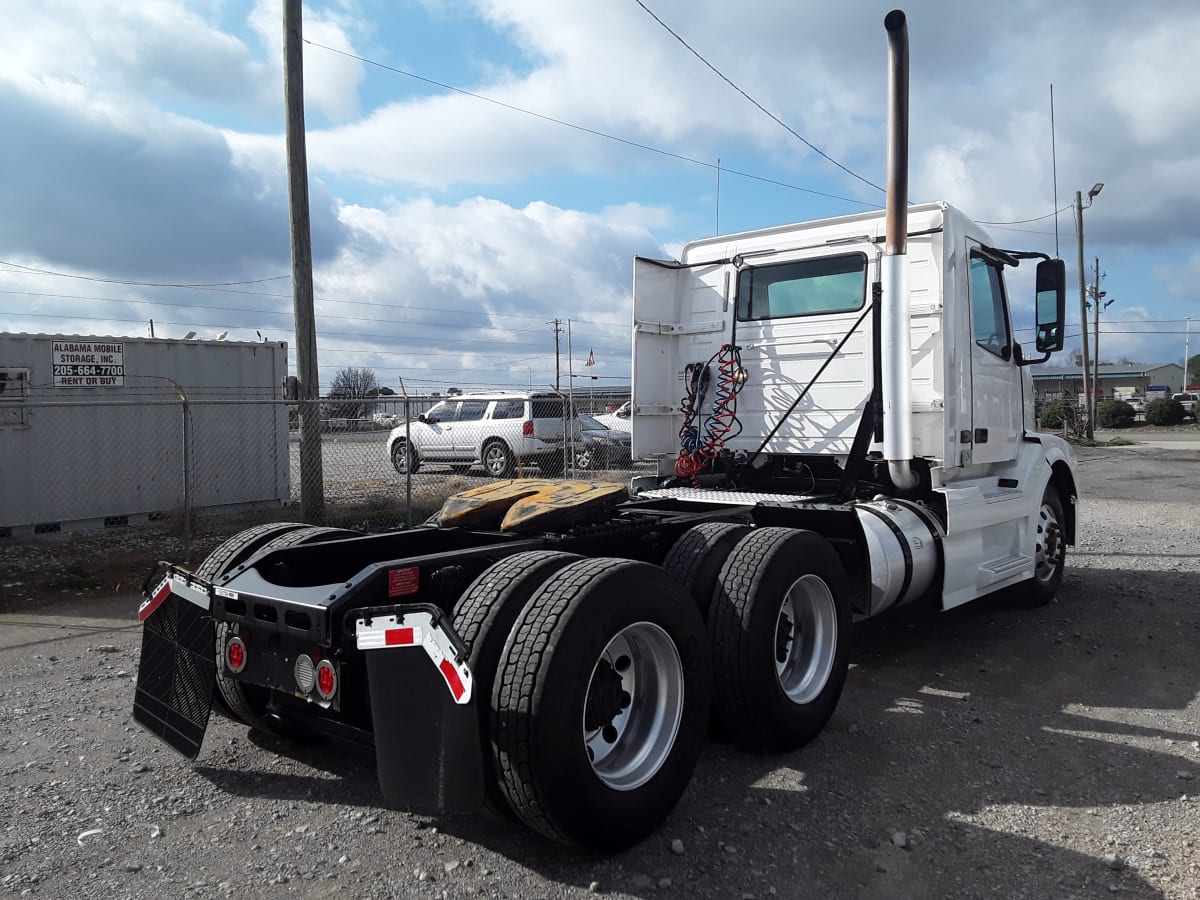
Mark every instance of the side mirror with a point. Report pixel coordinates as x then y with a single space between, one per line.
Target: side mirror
1051 305
421 418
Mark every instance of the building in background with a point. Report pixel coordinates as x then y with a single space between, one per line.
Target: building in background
104 431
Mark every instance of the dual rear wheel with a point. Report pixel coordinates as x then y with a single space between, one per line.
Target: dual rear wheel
597 676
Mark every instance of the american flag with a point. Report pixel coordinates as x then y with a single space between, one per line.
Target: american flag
591 360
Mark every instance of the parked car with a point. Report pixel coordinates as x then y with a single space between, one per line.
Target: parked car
385 420
602 447
1187 401
620 420
501 431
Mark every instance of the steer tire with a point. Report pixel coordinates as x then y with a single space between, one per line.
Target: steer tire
483 617
775 581
1050 557
695 560
589 622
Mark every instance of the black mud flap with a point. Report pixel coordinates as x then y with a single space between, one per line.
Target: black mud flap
177 674
427 744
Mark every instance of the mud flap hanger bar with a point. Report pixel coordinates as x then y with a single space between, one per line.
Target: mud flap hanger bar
421 628
428 750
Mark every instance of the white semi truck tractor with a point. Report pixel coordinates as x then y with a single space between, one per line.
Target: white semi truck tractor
840 416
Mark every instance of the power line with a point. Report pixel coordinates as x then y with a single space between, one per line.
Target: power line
756 104
201 284
596 133
488 313
1024 221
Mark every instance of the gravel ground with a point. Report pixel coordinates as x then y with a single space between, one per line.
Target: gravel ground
988 752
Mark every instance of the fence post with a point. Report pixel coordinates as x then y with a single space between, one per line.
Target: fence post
408 456
187 480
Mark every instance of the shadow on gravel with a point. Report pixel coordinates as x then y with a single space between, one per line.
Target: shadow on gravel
969 753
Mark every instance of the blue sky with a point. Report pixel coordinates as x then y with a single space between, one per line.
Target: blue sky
144 144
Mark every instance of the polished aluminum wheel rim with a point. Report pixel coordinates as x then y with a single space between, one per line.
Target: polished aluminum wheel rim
638 684
806 636
1049 549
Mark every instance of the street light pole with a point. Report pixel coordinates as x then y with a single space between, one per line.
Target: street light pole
1079 208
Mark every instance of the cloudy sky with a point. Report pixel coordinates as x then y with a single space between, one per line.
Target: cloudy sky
144 150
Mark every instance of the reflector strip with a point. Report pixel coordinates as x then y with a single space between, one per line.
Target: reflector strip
412 629
452 680
400 637
154 601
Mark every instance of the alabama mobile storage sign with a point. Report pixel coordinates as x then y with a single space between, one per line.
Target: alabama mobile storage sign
88 364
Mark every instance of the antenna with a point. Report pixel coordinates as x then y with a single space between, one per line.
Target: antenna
718 195
1054 167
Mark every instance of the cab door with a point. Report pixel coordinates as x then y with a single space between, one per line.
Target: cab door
996 402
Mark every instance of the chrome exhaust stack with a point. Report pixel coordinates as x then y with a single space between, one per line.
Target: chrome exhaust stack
894 316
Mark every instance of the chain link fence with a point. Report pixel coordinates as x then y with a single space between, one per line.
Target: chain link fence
217 465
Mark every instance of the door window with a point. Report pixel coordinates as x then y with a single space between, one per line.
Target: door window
988 316
446 411
471 410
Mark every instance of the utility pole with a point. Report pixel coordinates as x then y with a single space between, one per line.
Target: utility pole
557 323
312 481
1083 323
1187 348
1096 295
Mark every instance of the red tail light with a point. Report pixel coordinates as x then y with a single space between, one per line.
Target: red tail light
235 655
527 428
326 680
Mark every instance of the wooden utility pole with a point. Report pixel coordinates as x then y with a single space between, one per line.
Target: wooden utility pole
312 481
557 323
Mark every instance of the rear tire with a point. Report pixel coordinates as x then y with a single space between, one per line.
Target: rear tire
247 703
696 559
498 459
601 702
780 627
483 617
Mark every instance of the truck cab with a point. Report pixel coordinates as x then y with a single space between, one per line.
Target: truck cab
803 306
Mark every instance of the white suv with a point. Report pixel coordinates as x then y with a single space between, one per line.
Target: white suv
501 431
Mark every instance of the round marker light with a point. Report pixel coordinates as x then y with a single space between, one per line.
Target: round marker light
326 680
235 655
305 672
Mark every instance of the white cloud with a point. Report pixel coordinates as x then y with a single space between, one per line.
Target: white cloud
478 282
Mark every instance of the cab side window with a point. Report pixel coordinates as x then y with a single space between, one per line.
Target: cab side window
988 316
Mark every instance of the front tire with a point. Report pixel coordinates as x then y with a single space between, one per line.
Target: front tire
601 703
780 627
1049 556
404 459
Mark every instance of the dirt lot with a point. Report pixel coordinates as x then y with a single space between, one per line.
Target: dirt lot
987 753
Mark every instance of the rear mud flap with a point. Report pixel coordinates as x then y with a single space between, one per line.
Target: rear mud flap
177 674
427 745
